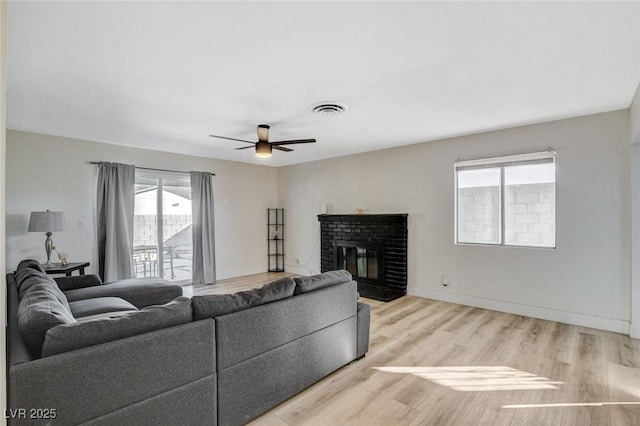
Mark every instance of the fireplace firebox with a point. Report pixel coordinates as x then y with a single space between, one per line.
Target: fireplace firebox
373 248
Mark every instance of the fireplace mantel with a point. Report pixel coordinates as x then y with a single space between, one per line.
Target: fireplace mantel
395 217
388 232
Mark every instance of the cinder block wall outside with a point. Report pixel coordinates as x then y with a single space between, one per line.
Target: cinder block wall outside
145 228
529 214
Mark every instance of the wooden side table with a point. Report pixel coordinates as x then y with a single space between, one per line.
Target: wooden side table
67 269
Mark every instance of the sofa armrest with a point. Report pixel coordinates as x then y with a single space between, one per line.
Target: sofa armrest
78 281
364 320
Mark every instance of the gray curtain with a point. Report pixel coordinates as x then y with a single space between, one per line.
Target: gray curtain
116 193
204 260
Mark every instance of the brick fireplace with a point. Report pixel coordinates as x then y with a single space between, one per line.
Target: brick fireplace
373 247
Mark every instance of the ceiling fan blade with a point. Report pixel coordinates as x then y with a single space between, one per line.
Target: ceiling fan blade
231 139
244 147
281 148
293 142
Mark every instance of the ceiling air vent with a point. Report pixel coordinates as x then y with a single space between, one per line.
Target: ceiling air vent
329 108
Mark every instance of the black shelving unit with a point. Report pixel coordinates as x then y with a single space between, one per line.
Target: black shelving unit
275 240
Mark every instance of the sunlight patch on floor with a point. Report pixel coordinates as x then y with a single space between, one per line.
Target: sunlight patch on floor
570 404
477 378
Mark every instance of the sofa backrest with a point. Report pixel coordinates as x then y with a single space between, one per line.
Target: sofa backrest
214 305
42 305
248 333
306 284
69 337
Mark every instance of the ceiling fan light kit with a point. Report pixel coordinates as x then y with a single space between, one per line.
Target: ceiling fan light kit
263 147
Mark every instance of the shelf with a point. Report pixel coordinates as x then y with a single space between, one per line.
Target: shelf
275 239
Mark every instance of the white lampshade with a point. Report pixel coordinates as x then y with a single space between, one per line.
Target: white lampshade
47 222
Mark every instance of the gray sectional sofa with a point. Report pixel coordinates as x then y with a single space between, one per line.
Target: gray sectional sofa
135 352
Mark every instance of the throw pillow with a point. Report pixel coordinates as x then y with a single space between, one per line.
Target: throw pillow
214 305
316 282
82 334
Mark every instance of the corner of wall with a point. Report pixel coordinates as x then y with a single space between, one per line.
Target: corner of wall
634 136
634 117
3 132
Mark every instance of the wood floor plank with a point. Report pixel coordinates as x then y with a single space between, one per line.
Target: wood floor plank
624 387
589 382
623 350
562 342
437 363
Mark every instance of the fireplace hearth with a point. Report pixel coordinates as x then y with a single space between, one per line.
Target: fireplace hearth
373 248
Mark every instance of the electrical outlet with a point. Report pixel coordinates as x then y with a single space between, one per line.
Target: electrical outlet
298 261
445 281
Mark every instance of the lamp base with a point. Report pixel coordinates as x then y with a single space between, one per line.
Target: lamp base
48 246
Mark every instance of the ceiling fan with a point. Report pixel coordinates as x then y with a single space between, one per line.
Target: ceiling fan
263 146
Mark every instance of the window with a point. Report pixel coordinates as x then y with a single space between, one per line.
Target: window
162 244
507 201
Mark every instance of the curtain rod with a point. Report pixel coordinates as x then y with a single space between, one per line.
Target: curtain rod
149 168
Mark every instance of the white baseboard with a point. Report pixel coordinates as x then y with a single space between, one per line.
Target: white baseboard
297 269
584 320
634 331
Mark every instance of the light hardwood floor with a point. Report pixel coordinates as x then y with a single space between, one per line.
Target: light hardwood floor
438 363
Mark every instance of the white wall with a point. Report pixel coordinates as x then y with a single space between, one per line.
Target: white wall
586 280
634 125
47 172
3 115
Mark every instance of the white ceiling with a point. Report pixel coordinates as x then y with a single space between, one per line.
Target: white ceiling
166 75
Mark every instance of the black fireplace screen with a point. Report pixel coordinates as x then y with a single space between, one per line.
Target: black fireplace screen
361 259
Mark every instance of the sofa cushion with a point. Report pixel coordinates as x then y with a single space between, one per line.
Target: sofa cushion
99 305
211 306
249 333
113 314
140 292
40 310
78 281
316 282
69 337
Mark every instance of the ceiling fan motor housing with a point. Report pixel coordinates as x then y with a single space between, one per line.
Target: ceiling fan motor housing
263 132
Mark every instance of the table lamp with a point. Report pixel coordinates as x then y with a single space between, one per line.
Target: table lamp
47 222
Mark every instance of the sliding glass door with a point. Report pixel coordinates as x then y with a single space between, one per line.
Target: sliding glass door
162 244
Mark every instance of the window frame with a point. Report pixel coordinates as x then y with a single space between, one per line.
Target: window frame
549 156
